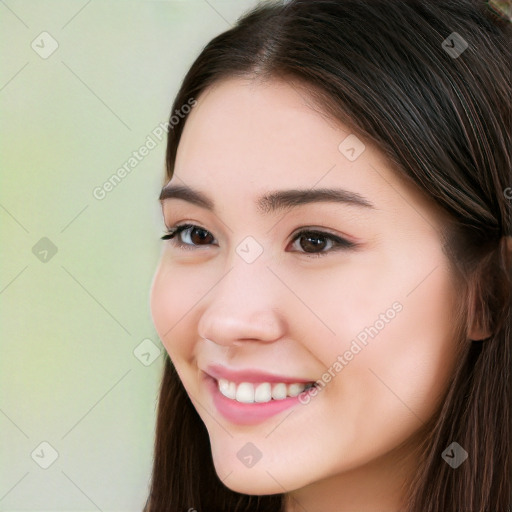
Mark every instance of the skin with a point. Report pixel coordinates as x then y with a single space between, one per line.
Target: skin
351 447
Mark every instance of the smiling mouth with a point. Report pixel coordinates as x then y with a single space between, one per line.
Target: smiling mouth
262 392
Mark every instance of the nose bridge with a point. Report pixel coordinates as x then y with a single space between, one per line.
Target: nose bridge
243 305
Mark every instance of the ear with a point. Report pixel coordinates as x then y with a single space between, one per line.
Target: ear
479 333
481 318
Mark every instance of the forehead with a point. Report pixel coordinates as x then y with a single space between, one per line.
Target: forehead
245 137
263 132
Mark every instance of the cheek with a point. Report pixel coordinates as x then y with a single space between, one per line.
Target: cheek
172 300
344 302
395 332
424 349
403 372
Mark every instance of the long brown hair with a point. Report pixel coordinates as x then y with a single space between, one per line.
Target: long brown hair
395 73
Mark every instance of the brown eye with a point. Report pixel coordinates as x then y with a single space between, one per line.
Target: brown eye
189 236
317 243
195 235
313 243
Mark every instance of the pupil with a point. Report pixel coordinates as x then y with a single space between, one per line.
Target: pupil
198 235
312 243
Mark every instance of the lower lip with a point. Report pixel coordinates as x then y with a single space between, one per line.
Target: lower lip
247 414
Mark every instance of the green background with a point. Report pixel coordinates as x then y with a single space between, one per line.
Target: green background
70 321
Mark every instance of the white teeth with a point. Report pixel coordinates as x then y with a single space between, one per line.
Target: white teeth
223 385
247 392
231 391
263 392
279 391
228 389
296 389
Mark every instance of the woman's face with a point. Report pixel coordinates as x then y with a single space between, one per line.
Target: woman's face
311 262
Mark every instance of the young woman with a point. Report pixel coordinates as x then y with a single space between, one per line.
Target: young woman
334 287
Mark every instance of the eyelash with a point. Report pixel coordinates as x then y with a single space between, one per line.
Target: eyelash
338 242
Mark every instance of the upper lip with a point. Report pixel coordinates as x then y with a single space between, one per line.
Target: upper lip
250 375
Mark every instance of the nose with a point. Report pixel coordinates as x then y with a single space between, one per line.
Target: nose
244 306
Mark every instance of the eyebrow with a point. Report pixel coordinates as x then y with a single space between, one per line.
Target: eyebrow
272 201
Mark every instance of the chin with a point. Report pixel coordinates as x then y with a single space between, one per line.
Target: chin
252 486
250 481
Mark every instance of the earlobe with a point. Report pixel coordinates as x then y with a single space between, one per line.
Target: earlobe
478 333
480 326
